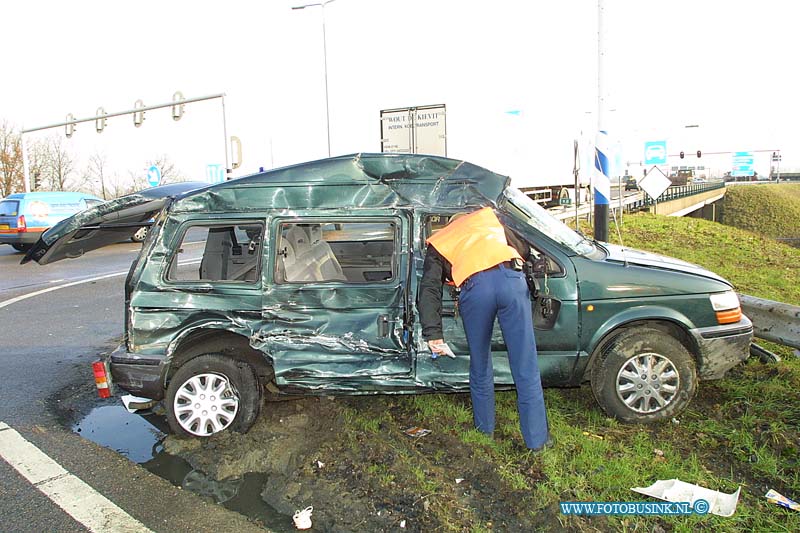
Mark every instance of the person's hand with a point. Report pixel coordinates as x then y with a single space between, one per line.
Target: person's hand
436 349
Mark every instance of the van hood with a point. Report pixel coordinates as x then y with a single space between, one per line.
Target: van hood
108 223
639 257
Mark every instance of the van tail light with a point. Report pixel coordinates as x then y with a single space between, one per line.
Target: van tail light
101 380
730 316
22 227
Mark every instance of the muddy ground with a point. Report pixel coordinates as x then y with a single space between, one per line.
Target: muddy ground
350 459
311 459
356 480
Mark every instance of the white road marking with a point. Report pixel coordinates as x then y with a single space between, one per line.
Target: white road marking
10 301
73 495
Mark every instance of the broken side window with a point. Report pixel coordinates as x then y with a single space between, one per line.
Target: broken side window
349 252
218 252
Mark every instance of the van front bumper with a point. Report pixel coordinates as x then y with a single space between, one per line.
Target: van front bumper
723 347
137 375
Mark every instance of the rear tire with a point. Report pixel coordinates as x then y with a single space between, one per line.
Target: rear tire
212 393
22 247
644 375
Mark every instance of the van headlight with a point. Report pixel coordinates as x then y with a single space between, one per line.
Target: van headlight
726 306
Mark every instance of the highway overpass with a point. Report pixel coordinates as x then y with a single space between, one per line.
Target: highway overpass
676 201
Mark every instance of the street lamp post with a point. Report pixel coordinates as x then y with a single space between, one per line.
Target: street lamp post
325 64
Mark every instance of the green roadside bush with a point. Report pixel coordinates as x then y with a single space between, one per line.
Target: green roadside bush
768 209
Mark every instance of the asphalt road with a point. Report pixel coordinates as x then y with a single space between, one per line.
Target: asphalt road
55 320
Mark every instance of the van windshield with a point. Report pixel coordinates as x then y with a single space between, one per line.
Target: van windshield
535 215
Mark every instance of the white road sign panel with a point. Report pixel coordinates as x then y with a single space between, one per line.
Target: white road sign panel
654 183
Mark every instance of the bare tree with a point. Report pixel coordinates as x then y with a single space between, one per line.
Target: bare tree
117 186
38 163
96 171
12 177
60 164
136 181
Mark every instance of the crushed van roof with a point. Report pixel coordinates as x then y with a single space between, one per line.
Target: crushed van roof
357 180
343 183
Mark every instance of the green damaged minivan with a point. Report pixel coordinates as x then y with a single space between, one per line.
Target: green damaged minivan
303 280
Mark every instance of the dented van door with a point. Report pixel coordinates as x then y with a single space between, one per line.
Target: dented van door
334 312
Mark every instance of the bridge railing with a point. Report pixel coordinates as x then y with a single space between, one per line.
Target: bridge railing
674 193
640 200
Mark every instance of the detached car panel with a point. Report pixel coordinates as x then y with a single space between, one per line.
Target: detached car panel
105 223
303 280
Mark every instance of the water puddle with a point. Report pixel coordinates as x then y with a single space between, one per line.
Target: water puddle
114 427
138 437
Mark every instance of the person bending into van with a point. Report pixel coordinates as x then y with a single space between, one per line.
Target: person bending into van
473 251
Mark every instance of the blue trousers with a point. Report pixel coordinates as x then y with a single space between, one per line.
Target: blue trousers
503 293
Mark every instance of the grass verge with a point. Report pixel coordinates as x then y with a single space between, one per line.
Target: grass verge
739 431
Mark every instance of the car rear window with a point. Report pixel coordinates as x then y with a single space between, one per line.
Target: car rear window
9 208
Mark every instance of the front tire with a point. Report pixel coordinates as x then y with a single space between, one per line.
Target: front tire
644 375
22 247
212 393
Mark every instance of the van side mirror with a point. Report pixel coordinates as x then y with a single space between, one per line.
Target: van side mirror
540 265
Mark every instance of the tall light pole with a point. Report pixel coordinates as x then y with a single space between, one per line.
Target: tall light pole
325 63
601 181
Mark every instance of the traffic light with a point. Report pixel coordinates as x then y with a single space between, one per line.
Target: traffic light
681 154
138 116
70 127
100 123
699 153
177 109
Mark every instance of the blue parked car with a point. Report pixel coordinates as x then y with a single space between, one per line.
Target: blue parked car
25 216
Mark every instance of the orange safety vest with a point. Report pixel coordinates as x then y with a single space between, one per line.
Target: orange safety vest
473 243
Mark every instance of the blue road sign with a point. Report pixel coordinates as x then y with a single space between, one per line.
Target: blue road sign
215 173
655 153
154 176
742 164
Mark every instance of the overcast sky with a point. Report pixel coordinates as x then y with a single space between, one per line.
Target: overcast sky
727 66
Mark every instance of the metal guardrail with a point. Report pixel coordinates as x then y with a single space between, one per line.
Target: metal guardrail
674 193
639 200
773 321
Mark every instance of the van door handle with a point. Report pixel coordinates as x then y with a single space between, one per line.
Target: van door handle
383 326
199 289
